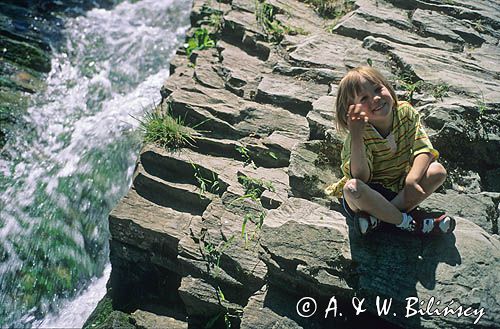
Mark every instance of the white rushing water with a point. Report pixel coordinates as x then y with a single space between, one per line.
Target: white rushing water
72 159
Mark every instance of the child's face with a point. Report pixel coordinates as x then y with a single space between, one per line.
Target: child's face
376 101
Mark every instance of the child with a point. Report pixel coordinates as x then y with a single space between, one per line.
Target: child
387 159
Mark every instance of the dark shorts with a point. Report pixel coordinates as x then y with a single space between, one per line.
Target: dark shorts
386 193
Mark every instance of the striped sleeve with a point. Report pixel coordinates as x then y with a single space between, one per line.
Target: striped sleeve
421 142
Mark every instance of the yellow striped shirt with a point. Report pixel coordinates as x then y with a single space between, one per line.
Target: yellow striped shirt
388 166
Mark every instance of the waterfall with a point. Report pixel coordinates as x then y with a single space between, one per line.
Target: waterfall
72 155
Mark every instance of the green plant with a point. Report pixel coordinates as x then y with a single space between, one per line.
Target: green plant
163 129
200 40
331 8
211 17
245 154
411 88
440 90
265 14
481 106
205 184
225 313
257 220
478 25
254 187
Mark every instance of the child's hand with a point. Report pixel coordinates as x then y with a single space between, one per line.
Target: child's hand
356 119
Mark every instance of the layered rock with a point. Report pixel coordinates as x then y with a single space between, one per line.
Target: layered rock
236 229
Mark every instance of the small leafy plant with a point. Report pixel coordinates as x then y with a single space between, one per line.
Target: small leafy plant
212 18
200 40
254 187
440 90
332 8
275 30
225 313
245 154
205 184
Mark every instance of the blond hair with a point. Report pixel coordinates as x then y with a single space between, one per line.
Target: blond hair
350 86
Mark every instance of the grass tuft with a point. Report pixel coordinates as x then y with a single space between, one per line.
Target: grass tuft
163 129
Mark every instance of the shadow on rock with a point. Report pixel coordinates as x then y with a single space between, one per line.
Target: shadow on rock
390 267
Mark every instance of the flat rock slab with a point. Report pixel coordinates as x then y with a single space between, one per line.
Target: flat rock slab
222 114
323 51
438 66
313 166
132 222
292 94
144 319
479 208
241 79
360 25
322 117
258 314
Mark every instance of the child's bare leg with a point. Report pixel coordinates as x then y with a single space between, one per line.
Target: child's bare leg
432 180
360 196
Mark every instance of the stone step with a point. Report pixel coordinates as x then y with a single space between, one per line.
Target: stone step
292 94
218 113
269 152
179 196
160 228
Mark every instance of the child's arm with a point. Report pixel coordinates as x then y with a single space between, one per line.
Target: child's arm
356 121
412 189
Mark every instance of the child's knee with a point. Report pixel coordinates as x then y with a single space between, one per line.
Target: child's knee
353 188
437 172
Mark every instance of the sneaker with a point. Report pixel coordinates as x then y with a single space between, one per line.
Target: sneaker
364 223
430 225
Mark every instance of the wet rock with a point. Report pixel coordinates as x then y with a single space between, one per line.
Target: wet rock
25 54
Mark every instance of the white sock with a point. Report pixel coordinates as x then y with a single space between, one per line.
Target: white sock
363 225
445 224
405 223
